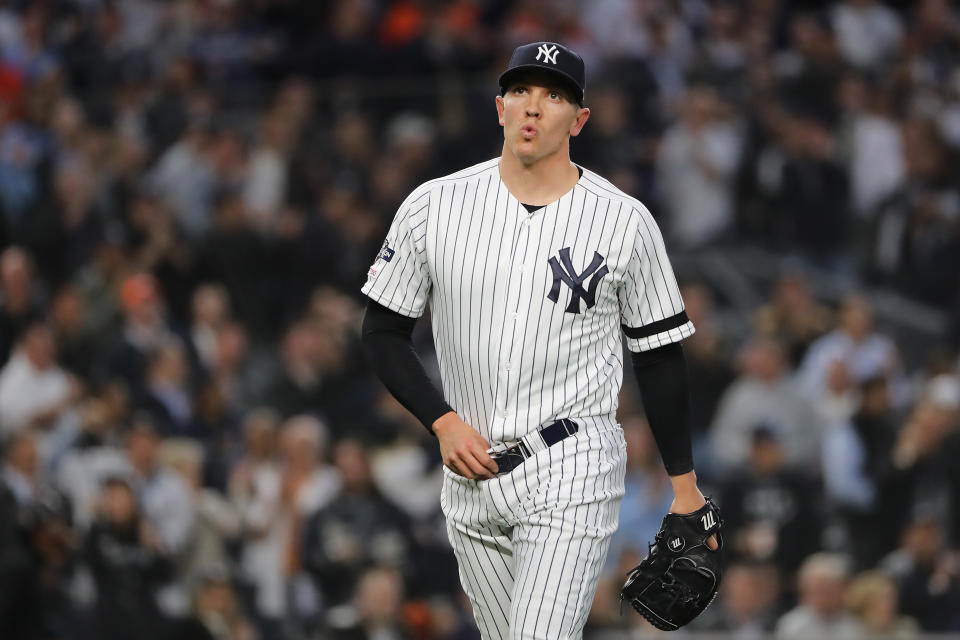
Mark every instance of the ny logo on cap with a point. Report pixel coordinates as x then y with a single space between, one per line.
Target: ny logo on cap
549 53
565 272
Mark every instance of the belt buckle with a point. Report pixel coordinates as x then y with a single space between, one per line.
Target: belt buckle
509 459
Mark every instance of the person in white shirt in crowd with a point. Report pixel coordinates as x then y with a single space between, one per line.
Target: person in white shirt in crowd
308 483
265 187
255 487
186 175
279 497
36 392
823 582
854 350
618 27
216 519
765 393
868 32
873 147
696 166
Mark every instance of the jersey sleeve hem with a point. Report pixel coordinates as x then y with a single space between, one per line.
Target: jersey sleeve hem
381 298
659 339
658 326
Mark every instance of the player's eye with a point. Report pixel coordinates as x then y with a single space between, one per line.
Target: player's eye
554 95
519 89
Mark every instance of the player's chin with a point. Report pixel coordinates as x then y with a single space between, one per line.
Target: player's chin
526 152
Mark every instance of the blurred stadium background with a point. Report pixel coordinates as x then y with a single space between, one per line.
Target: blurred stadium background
192 190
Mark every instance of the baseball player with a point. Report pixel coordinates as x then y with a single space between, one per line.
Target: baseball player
533 268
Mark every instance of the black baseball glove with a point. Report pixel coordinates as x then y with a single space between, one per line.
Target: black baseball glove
680 576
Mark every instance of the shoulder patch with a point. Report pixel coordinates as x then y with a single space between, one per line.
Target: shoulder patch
386 253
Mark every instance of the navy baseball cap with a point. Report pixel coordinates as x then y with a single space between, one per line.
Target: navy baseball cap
547 56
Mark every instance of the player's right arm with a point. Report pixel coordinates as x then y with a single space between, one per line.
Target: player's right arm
398 285
388 344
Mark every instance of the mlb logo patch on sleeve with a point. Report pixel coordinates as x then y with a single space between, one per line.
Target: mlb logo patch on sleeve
386 253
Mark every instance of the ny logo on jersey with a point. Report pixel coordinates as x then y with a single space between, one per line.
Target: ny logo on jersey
549 53
568 275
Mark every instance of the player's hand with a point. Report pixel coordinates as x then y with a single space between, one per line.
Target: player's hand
687 498
463 449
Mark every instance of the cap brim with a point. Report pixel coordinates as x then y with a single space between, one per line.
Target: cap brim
568 81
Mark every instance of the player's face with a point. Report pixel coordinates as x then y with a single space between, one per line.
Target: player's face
538 117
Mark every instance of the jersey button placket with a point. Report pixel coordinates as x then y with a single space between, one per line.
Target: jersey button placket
512 328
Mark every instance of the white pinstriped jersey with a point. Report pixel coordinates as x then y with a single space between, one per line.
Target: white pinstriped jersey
528 308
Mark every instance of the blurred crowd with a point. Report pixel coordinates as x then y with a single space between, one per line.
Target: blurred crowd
191 192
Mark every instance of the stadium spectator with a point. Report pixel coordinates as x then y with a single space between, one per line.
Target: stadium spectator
772 513
857 469
127 559
216 613
848 355
695 165
765 393
34 390
748 606
868 32
144 329
358 528
21 302
925 571
216 521
823 584
166 395
873 599
255 488
375 609
93 457
793 316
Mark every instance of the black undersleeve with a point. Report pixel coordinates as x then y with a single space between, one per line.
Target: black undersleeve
388 344
664 387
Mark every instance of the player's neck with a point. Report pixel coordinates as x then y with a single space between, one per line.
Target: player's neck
540 183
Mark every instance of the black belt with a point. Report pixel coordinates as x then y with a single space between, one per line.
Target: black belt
510 458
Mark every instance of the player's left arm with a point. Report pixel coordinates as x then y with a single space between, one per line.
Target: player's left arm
665 389
654 322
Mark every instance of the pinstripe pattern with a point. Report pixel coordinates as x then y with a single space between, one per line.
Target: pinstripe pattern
530 544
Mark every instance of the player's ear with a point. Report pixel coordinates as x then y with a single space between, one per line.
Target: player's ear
500 109
583 114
